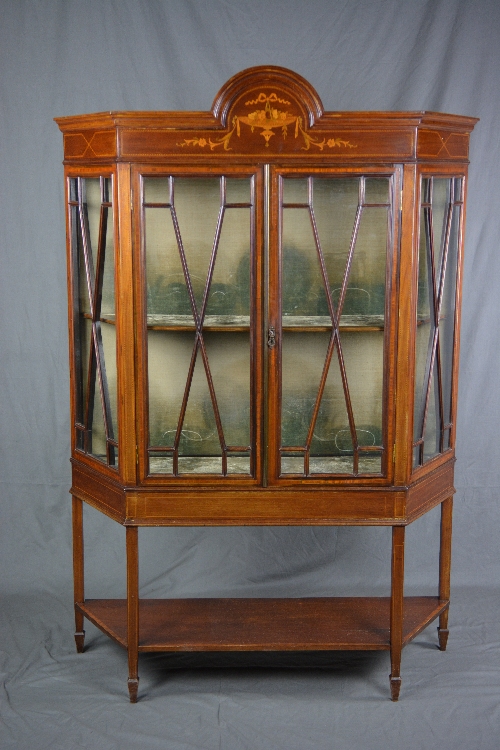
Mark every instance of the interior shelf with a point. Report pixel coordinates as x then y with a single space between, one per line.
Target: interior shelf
309 624
293 323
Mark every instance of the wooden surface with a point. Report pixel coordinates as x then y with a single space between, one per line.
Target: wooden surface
132 610
78 571
396 627
339 623
297 125
330 503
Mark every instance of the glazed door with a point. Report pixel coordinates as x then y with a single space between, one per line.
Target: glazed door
265 314
200 343
331 270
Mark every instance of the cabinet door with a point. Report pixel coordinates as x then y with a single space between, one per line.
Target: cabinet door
331 264
200 325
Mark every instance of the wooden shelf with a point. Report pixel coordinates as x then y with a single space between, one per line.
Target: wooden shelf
323 323
310 624
241 323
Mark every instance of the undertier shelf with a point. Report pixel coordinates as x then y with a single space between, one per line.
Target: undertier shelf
309 624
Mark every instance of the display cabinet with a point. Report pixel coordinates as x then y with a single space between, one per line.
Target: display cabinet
264 323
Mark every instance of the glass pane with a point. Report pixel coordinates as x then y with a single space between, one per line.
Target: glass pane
447 316
169 355
438 255
73 188
425 301
440 203
364 364
200 465
197 205
335 206
432 426
422 349
365 294
238 464
157 190
97 438
92 240
108 337
83 279
167 293
331 447
344 233
229 295
302 283
303 357
91 188
295 190
377 190
229 357
210 231
292 464
161 464
238 190
331 465
83 355
108 281
370 463
199 430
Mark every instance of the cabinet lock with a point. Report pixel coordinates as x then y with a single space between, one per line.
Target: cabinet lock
271 337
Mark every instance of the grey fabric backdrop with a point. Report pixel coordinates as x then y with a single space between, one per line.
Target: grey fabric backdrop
63 57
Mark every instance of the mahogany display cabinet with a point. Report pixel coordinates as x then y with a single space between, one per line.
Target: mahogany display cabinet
264 330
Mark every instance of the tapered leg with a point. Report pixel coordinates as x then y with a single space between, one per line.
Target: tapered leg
397 601
78 571
132 610
445 568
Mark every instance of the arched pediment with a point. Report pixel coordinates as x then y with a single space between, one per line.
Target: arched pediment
267 93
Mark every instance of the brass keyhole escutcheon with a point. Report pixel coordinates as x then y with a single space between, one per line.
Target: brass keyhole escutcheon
271 337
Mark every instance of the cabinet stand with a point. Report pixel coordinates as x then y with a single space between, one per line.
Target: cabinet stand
303 624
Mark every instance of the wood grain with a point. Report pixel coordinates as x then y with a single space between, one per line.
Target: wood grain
310 624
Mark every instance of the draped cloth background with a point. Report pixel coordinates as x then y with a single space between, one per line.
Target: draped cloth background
63 57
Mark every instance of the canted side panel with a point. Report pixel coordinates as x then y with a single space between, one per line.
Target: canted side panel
442 144
90 144
92 246
98 491
437 314
430 490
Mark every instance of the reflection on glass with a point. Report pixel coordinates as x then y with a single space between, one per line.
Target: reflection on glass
92 244
441 206
198 234
335 241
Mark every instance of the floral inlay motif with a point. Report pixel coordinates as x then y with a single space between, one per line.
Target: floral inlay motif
268 119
